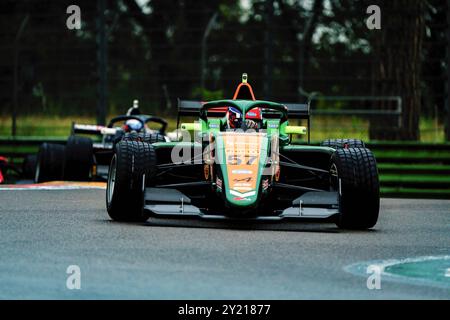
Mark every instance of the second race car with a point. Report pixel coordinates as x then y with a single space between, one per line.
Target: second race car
82 159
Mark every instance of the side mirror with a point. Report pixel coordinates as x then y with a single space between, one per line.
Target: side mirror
295 130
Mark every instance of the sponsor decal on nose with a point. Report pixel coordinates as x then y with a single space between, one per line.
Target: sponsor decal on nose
242 171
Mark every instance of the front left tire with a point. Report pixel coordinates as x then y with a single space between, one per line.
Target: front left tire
132 164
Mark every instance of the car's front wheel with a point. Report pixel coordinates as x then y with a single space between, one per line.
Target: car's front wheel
355 175
130 166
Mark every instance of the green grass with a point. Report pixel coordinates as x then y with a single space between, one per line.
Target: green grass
325 127
60 126
42 125
431 130
322 127
50 125
18 149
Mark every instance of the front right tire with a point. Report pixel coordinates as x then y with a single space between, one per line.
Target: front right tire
132 164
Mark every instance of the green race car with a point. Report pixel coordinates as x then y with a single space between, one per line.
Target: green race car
237 162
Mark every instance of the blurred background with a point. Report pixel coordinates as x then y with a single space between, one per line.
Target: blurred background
160 50
388 84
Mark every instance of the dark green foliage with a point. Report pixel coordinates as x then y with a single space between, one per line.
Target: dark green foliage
154 54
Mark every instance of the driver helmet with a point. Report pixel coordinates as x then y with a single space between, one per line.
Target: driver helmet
132 125
254 114
234 118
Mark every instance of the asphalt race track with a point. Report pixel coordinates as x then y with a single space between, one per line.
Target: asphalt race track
43 232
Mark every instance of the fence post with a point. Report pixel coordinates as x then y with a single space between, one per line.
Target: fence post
204 49
102 63
447 99
268 50
16 76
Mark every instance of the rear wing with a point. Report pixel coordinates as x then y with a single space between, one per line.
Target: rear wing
301 111
295 111
192 108
298 111
189 107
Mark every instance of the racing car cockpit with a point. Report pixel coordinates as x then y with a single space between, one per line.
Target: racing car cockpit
235 119
228 115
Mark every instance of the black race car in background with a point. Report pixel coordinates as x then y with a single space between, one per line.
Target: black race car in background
84 159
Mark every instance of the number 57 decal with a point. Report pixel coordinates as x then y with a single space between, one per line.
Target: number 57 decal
236 160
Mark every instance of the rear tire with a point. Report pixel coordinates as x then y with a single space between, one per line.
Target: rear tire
79 158
359 199
133 163
343 143
49 163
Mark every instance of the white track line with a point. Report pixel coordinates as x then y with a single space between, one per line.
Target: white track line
51 188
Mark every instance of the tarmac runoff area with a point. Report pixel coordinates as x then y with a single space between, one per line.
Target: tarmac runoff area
47 228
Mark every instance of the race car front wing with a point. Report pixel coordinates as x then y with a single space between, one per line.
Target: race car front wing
168 202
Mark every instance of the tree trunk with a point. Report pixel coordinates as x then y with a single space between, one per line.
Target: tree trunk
397 70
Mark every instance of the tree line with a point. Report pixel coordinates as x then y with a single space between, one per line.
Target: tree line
160 51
